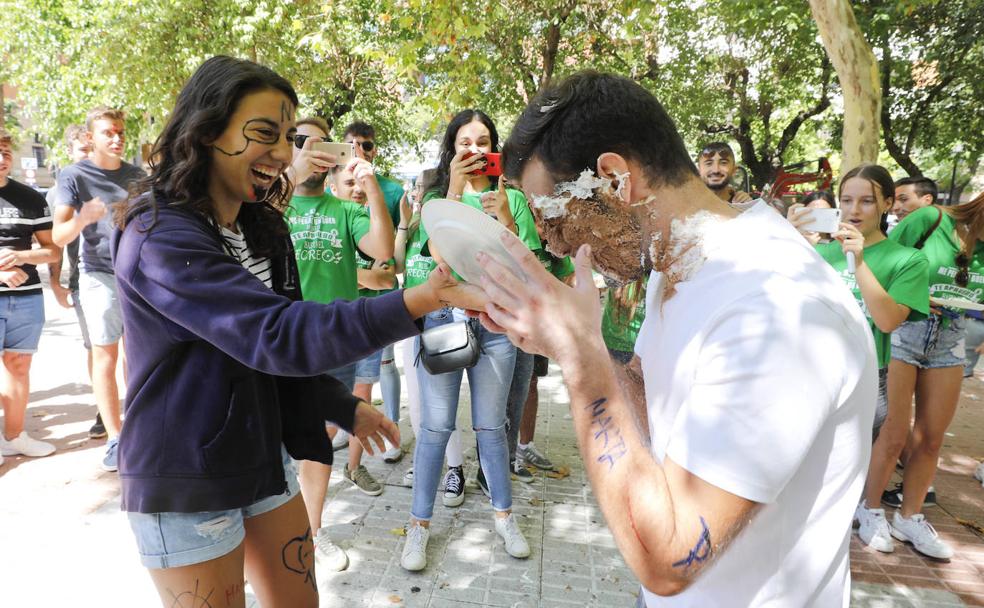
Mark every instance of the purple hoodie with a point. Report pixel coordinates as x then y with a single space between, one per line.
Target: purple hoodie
222 370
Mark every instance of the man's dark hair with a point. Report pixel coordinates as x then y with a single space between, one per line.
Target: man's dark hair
922 186
717 147
569 125
360 129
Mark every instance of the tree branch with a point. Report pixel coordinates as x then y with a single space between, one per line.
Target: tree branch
789 133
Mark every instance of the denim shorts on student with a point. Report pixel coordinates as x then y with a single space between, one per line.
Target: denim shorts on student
927 344
21 322
171 540
101 307
367 370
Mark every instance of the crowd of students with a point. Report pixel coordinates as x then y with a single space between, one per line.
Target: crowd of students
256 279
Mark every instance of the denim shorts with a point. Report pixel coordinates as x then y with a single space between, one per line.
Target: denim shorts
101 307
21 322
367 370
172 540
927 344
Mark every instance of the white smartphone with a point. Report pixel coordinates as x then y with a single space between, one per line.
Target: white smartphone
822 220
343 152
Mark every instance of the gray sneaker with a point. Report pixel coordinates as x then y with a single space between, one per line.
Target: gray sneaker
329 555
363 480
535 458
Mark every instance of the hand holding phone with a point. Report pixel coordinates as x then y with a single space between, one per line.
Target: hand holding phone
343 152
492 167
821 220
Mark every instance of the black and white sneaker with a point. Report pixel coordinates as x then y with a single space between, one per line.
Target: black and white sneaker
893 497
482 483
520 471
454 487
98 429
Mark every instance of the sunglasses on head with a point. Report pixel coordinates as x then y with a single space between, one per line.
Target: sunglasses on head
963 270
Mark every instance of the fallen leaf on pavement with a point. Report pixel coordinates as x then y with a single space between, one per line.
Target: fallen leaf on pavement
560 473
398 532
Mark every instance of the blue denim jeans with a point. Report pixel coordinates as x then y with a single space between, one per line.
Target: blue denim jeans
519 389
489 384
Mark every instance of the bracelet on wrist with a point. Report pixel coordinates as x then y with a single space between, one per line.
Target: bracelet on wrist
401 228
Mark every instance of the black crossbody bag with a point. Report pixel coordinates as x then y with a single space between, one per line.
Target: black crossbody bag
450 347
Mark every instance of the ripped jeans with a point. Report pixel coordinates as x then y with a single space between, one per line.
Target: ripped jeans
489 384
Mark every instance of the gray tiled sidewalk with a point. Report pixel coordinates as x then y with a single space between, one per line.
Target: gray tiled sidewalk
64 542
573 563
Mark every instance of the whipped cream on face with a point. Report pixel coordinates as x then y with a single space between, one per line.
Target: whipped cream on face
555 206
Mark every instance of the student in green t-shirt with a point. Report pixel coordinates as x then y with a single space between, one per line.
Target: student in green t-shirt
375 277
363 136
890 285
469 136
327 233
928 356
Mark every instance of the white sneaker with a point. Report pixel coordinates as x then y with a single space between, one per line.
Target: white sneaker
874 530
341 440
414 556
22 444
393 453
408 478
978 473
923 536
329 555
508 529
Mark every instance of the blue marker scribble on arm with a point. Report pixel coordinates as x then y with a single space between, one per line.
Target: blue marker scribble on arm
700 552
607 433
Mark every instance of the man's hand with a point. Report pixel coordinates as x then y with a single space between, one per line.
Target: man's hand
740 197
13 278
92 211
542 315
310 161
61 293
370 426
364 173
9 259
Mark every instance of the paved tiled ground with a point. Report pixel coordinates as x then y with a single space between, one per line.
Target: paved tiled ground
63 541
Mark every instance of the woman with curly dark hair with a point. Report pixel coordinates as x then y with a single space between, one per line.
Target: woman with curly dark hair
226 364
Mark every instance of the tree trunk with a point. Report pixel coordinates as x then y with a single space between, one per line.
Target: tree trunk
857 72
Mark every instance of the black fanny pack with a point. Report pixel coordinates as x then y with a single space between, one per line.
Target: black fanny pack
449 347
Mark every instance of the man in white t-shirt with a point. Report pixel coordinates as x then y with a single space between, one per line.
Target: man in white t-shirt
734 481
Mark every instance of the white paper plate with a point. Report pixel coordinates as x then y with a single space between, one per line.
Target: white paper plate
460 231
957 303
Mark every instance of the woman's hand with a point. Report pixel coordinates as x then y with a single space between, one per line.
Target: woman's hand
451 292
370 426
852 241
461 171
406 211
496 204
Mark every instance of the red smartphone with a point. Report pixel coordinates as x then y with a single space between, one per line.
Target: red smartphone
493 164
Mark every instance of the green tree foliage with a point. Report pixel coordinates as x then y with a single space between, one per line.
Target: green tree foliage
751 72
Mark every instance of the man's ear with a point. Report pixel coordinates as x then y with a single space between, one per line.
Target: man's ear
614 167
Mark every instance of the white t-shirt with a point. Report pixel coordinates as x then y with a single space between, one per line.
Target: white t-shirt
761 379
